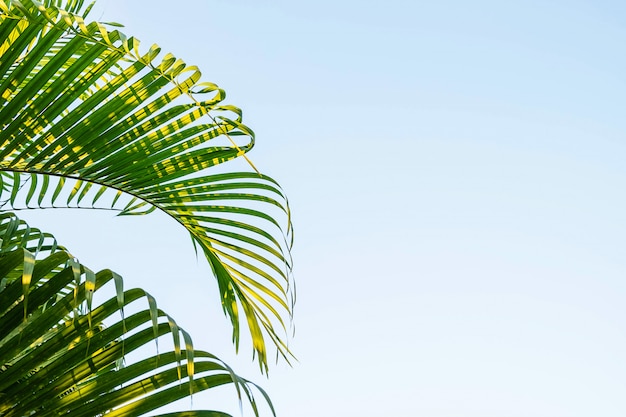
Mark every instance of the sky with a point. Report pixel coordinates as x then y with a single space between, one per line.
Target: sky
455 173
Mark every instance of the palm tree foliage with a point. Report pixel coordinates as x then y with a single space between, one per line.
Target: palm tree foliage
60 352
89 121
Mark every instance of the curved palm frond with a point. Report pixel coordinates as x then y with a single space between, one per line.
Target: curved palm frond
61 354
88 121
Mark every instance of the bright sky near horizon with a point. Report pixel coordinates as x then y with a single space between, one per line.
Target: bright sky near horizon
455 171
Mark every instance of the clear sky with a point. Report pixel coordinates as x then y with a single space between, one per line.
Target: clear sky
456 174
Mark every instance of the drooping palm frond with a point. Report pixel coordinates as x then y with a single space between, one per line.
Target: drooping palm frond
86 120
60 352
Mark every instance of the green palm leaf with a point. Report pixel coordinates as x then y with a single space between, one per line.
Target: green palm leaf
61 355
88 121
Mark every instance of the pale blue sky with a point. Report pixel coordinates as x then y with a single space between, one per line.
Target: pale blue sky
456 174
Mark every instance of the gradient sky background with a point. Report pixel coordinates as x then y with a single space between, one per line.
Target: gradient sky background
456 175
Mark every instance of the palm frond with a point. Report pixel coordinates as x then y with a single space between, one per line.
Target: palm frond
61 353
88 121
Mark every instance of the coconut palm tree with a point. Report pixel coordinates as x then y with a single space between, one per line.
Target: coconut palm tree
89 119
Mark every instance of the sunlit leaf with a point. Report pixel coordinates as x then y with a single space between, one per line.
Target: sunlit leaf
58 362
89 120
